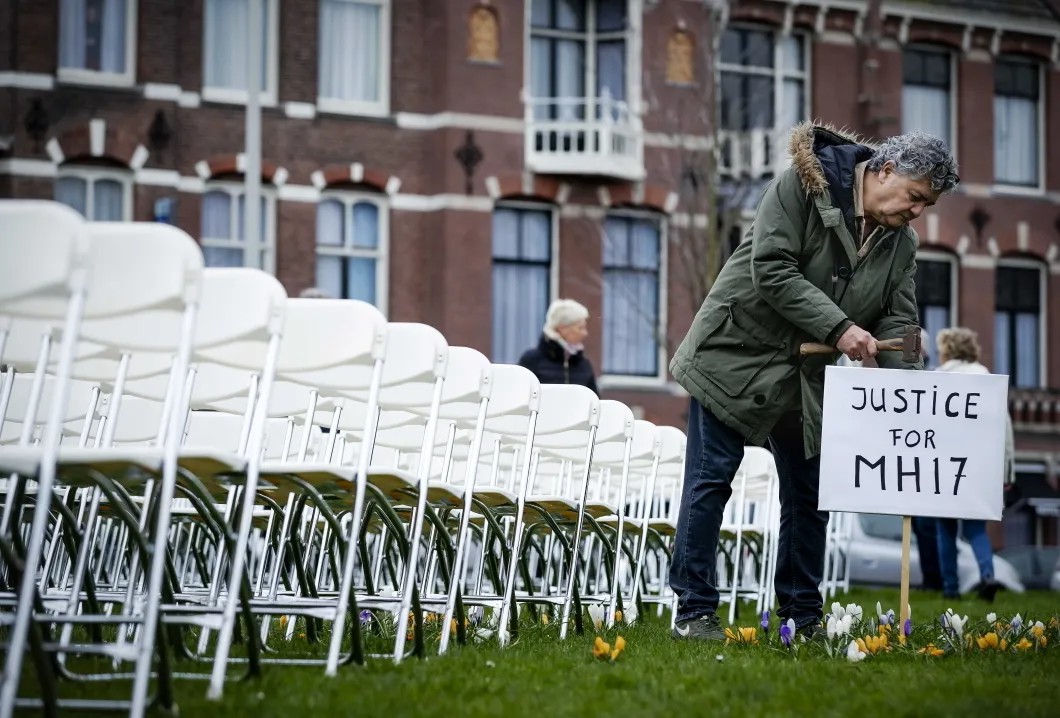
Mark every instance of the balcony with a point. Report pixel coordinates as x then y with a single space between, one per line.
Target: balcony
753 154
584 136
1035 410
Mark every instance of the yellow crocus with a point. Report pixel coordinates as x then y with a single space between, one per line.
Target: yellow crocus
1038 630
620 645
747 634
545 619
618 616
1024 644
601 648
931 650
283 621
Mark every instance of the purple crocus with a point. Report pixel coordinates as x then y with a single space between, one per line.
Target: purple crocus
366 617
907 627
787 632
765 621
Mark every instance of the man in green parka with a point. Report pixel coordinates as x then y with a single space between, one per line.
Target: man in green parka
829 258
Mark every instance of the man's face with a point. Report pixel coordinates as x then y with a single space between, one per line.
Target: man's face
894 199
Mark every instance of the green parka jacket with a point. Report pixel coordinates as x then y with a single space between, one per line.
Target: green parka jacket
796 278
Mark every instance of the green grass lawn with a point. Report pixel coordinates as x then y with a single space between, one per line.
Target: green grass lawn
540 676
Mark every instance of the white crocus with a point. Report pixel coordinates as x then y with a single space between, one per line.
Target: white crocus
855 654
855 611
843 625
597 613
991 617
630 614
957 624
1017 622
830 627
837 610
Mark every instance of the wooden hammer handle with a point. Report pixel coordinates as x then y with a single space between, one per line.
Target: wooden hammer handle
887 345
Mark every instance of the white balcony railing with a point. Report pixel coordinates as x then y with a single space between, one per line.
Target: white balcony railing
753 153
585 136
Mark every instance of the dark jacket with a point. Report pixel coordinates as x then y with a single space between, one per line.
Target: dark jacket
551 365
799 279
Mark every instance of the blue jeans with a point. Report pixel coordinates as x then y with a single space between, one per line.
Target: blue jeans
975 532
712 457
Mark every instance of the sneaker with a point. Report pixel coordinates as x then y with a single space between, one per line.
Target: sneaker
704 628
812 632
986 589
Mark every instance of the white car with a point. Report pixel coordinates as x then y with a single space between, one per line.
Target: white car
875 552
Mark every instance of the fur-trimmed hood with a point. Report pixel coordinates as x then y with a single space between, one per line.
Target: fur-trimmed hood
813 147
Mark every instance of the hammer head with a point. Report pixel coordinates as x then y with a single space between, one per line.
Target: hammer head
911 345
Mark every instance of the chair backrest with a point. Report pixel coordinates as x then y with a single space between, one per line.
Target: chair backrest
325 334
43 257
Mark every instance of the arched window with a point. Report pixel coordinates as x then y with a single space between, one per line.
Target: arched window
351 242
100 193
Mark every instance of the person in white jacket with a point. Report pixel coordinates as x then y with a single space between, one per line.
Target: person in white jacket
958 350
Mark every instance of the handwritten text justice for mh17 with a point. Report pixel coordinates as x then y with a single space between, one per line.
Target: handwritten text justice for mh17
919 402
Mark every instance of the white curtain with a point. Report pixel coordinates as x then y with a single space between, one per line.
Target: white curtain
791 105
569 77
631 297
936 318
1027 350
360 279
926 109
1015 140
521 266
541 74
225 52
72 29
72 191
349 50
217 227
330 224
611 69
112 42
1002 360
365 221
107 201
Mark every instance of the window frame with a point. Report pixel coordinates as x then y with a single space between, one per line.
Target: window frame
634 381
380 108
381 252
1038 189
236 189
93 173
1043 318
954 128
631 38
776 72
554 247
269 95
934 255
83 76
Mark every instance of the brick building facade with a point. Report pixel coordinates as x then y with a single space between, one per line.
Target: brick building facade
485 156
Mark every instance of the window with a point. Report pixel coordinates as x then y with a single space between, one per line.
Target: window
225 52
100 195
354 61
926 97
522 269
351 249
578 58
935 299
1016 123
223 241
631 295
97 40
763 80
1018 340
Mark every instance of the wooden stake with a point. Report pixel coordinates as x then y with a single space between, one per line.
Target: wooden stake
907 530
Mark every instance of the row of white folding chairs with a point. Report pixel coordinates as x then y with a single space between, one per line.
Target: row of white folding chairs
235 360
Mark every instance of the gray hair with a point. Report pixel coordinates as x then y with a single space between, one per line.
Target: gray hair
918 156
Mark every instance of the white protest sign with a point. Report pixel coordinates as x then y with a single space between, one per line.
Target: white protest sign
913 443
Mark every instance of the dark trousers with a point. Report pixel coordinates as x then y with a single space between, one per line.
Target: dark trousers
927 545
712 458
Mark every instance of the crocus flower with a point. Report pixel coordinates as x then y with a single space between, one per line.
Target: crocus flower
991 641
991 618
787 632
837 610
855 654
907 627
601 648
1024 644
854 611
596 613
844 624
830 627
474 615
1038 631
872 644
931 650
366 617
1017 623
620 645
747 634
628 616
765 621
957 624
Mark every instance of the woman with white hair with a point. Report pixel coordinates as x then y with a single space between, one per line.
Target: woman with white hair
559 358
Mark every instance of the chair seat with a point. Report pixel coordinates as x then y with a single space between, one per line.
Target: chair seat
110 462
328 479
496 498
598 509
394 483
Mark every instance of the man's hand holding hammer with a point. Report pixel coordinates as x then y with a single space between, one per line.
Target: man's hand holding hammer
857 344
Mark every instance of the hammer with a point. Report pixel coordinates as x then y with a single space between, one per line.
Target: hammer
908 344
